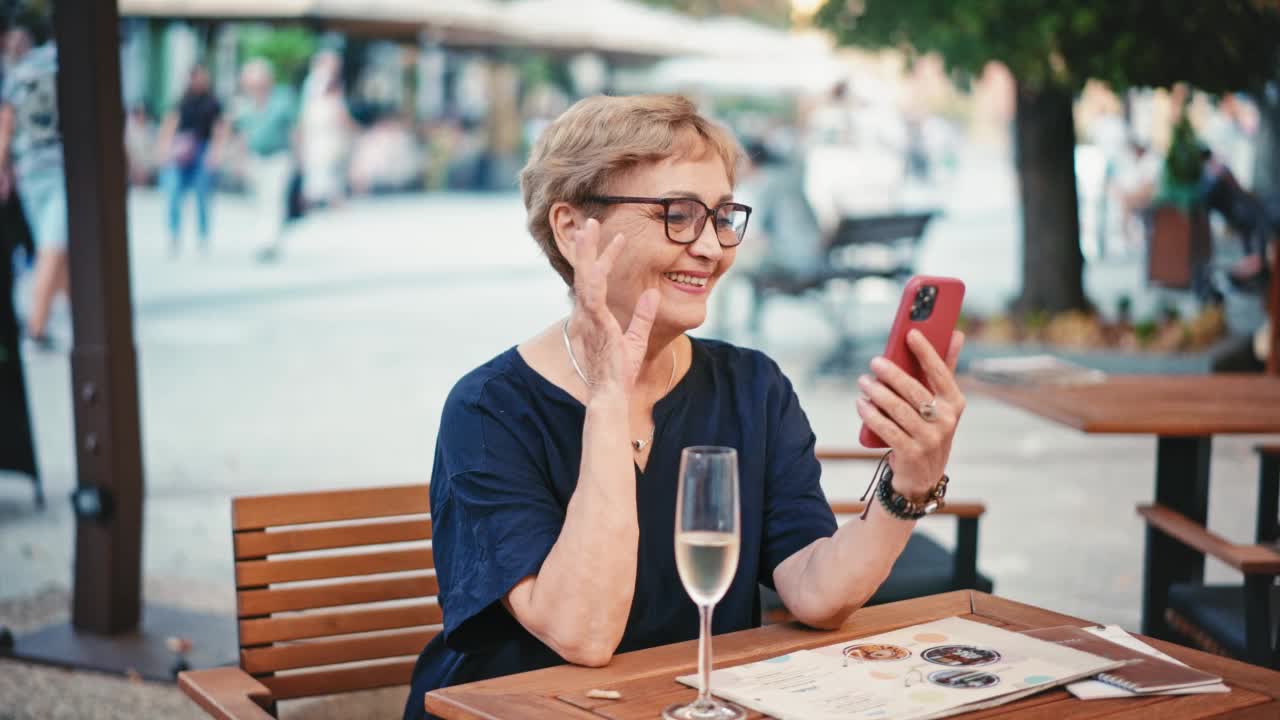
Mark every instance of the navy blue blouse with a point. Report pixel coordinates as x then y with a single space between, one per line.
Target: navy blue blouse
506 464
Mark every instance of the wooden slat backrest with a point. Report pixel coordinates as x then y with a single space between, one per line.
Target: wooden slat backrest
335 591
265 511
326 682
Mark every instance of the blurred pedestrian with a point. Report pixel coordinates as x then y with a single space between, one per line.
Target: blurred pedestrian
325 131
17 447
1244 213
30 139
1135 185
139 145
191 140
266 123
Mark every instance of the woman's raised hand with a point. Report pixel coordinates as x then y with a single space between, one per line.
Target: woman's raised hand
891 405
609 357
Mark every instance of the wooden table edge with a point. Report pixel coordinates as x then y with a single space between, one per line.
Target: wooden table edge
1043 405
468 700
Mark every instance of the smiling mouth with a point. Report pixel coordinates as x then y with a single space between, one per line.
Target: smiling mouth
682 279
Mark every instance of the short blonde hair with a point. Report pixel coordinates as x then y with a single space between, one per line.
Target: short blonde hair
600 139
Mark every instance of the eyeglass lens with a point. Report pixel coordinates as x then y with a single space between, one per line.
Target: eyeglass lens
686 220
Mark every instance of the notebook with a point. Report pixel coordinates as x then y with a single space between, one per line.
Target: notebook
1098 690
1141 673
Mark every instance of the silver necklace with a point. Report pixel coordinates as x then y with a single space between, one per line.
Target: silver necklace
568 346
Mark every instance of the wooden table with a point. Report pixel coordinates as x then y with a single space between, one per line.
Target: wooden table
647 682
1184 412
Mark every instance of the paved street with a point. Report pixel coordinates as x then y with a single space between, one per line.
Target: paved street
329 369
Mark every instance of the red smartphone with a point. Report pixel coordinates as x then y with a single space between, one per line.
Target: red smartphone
932 306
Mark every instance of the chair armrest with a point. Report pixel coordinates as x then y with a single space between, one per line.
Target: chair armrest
958 508
1248 559
226 693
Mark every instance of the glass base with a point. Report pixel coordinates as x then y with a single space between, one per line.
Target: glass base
711 710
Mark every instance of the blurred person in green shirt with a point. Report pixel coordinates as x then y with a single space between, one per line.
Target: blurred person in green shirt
266 123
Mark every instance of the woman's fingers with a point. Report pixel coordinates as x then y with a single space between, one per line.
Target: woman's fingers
610 254
907 387
881 425
905 415
935 370
590 268
643 316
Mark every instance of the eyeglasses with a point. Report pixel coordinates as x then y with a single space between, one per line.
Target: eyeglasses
685 218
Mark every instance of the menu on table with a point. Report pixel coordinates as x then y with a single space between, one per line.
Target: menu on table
931 670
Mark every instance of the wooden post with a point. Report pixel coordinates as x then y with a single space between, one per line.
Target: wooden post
108 560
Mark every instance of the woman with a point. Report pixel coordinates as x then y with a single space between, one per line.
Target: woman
325 129
553 491
191 140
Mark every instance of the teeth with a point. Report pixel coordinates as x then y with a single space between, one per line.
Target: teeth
687 279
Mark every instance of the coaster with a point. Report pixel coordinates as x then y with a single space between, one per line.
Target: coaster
964 679
874 652
960 655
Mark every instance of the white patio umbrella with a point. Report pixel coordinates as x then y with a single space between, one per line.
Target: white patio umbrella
479 15
739 37
739 76
605 26
245 9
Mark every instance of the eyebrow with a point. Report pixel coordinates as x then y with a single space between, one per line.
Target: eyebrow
694 196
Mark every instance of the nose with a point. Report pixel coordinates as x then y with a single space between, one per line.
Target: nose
707 245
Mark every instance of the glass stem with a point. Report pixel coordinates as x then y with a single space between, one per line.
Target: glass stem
704 658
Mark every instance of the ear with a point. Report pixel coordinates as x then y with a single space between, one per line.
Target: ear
565 220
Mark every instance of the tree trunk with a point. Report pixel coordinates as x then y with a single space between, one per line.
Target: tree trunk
1044 149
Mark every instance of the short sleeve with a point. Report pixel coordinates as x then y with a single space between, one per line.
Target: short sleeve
796 511
494 516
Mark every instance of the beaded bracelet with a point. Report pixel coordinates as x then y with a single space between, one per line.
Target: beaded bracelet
894 502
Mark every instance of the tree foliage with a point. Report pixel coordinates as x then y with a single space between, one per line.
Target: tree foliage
288 49
1218 46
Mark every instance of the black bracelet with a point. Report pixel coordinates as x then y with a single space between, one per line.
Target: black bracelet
896 504
902 508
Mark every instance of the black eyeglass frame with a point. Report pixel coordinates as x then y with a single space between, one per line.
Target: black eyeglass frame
666 213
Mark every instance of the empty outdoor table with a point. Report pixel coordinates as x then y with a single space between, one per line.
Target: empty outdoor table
1184 412
646 679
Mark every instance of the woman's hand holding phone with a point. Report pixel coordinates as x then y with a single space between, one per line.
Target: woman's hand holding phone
891 406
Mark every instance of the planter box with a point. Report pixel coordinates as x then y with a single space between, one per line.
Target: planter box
1179 247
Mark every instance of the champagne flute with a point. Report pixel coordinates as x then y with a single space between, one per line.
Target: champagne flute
708 532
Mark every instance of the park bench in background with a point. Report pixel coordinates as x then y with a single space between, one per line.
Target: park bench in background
870 246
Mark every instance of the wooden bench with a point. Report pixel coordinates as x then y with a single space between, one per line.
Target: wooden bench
310 621
1240 621
871 246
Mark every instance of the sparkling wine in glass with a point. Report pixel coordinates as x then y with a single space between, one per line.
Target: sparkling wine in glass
708 531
